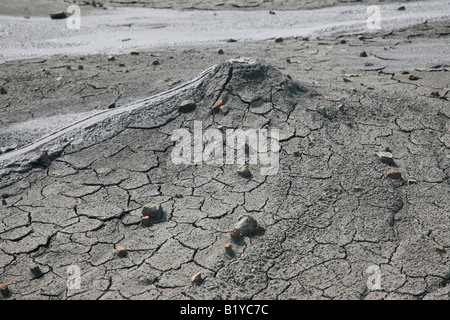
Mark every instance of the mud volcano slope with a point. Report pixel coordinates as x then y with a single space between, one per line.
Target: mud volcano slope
327 219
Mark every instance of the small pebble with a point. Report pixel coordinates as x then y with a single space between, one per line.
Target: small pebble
111 58
224 109
121 252
246 225
348 123
235 234
394 174
413 77
187 106
80 67
278 39
217 105
440 248
36 272
220 51
121 64
47 72
231 40
363 54
72 206
155 62
386 157
153 210
4 290
196 278
243 171
134 52
3 90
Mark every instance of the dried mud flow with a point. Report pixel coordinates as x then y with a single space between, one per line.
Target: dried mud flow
363 177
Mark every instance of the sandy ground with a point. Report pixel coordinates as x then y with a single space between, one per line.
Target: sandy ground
314 243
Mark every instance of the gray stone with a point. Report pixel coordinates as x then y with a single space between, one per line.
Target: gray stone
153 210
246 225
187 106
386 157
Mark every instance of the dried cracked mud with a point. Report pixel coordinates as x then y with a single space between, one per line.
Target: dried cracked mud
330 213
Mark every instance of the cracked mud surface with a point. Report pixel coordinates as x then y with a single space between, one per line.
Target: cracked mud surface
329 213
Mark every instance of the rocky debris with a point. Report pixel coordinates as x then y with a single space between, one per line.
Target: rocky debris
4 290
155 62
394 174
36 272
244 171
3 90
220 51
246 225
121 64
231 40
187 106
386 157
46 72
121 252
111 58
112 105
363 54
134 52
153 210
413 77
196 278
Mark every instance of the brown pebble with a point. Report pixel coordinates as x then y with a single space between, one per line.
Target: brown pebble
121 64
217 105
411 181
121 251
126 71
196 278
134 52
405 72
440 248
227 246
394 174
220 51
138 146
47 72
348 123
413 77
435 93
288 60
111 58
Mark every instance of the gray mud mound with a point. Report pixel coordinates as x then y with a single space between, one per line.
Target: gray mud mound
334 220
